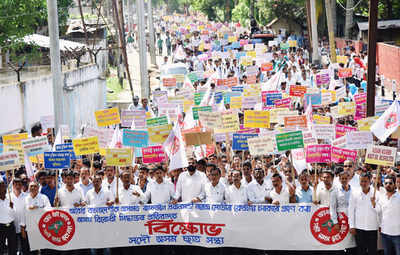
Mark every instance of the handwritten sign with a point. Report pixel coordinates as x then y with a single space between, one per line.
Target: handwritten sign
107 117
256 119
86 146
135 138
153 154
319 153
57 160
380 155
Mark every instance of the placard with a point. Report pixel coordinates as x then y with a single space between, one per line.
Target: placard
322 79
341 130
67 147
210 119
47 122
309 138
271 97
339 142
169 82
357 140
230 123
159 134
360 98
119 157
153 154
324 131
9 160
319 153
289 141
35 146
103 134
256 119
135 138
380 155
86 146
163 120
259 146
347 108
57 160
107 117
320 119
195 111
297 90
340 155
265 67
239 141
283 103
198 138
345 72
366 123
295 121
236 102
14 139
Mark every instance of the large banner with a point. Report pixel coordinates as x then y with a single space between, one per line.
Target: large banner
263 226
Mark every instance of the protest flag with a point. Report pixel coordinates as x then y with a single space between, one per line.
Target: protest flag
387 123
175 149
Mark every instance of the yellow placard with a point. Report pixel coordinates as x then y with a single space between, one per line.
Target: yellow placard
319 119
347 108
246 61
251 54
366 123
18 148
107 117
179 77
232 39
102 151
14 139
118 157
341 59
292 43
274 113
251 92
236 102
256 119
158 134
230 123
86 146
187 104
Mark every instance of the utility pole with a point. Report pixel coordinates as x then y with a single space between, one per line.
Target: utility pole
308 8
56 74
331 32
144 78
372 31
151 31
314 33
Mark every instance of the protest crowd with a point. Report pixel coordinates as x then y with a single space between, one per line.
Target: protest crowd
247 123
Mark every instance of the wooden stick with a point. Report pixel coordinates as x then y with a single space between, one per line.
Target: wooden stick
315 188
378 173
8 184
56 205
292 166
117 184
91 164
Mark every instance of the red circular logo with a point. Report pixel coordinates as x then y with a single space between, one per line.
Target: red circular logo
322 227
57 227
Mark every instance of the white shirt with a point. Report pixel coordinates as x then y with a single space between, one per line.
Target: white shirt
127 198
112 187
234 195
361 213
93 198
283 197
339 202
389 214
19 205
40 200
214 194
189 186
257 193
7 214
159 193
323 195
84 188
244 181
68 199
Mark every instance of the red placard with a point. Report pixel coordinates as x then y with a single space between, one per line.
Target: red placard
169 82
345 72
297 90
267 66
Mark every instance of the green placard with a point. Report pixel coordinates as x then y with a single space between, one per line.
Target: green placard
198 97
163 120
193 77
196 111
284 46
289 141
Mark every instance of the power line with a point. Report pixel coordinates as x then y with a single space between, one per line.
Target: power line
350 9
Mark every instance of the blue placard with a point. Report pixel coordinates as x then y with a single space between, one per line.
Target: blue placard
236 45
237 88
135 138
240 141
218 96
240 54
316 99
67 147
57 160
1 148
271 97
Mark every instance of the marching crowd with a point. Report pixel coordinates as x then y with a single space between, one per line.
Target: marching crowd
367 194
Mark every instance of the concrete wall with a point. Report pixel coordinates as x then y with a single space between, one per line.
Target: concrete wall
22 105
388 60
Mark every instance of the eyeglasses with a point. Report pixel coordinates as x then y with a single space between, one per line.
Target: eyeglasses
389 183
348 165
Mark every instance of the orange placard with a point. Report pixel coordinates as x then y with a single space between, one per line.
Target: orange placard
296 121
297 90
230 82
345 72
169 82
267 67
251 79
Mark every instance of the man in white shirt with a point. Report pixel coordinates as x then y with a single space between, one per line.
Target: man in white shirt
84 184
325 189
69 195
7 217
237 192
363 219
281 195
388 209
258 190
190 186
98 196
214 189
18 198
159 191
110 182
129 194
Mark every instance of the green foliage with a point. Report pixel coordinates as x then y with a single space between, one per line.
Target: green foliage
241 13
212 8
286 9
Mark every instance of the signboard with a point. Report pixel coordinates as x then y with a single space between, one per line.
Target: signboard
47 122
86 146
210 119
318 153
259 146
324 131
357 140
380 155
67 147
198 138
57 160
107 117
339 155
239 141
163 120
195 111
135 138
289 141
35 146
118 157
341 130
256 119
153 154
295 121
9 160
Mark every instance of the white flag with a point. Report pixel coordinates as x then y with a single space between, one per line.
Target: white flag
175 149
387 123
